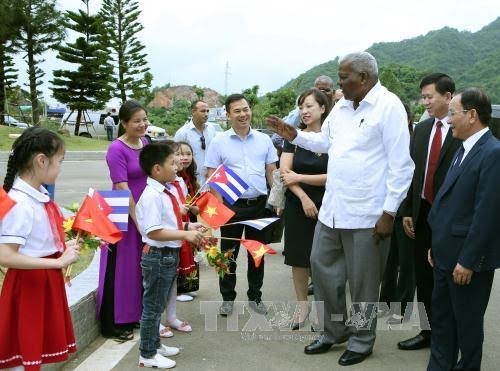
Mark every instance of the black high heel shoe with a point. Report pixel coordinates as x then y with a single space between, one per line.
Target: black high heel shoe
297 325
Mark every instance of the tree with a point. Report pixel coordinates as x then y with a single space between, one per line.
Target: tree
9 30
87 86
251 94
120 29
41 30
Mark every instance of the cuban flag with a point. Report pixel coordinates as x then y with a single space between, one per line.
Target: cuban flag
259 224
119 202
227 183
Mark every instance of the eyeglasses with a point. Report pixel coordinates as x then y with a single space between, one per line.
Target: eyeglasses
203 143
453 113
327 90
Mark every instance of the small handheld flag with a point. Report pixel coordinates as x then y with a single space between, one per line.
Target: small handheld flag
212 211
6 203
257 250
228 184
119 201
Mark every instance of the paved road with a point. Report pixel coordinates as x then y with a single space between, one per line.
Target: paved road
241 348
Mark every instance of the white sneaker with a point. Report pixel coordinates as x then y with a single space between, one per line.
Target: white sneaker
183 298
167 351
158 361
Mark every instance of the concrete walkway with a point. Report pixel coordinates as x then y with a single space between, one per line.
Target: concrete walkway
237 343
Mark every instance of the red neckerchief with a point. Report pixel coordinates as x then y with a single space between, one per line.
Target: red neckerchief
56 224
177 209
187 180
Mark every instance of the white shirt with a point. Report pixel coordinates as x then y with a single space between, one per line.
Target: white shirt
27 223
154 211
247 157
369 163
190 134
470 141
444 133
109 122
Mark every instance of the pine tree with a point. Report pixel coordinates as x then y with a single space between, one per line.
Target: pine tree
120 28
41 30
9 31
87 86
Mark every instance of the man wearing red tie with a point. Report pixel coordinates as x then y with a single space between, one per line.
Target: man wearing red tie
432 148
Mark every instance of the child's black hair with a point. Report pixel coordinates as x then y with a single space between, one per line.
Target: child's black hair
192 169
154 154
33 140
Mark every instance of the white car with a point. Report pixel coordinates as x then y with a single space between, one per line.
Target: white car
11 121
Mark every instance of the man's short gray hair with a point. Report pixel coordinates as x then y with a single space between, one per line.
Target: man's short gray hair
362 62
323 79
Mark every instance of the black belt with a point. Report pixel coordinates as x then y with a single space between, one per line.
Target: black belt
165 249
249 201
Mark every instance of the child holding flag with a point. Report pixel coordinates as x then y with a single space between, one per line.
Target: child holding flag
162 229
35 321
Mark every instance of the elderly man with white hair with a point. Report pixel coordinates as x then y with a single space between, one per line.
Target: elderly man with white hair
369 172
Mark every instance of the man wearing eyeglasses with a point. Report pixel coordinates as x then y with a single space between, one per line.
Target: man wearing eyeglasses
432 147
198 133
465 240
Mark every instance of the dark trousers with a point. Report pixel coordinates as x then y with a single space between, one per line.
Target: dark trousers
458 321
423 270
244 210
398 284
109 133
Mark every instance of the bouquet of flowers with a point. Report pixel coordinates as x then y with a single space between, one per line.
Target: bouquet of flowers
212 255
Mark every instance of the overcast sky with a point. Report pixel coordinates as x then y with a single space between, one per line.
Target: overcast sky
269 42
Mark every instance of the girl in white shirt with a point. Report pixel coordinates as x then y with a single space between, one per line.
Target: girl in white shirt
35 321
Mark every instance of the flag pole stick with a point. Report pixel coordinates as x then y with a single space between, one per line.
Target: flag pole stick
197 194
70 267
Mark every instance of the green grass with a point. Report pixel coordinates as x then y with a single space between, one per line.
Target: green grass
72 143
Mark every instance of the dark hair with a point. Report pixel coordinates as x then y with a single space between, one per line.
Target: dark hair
192 169
154 154
476 99
33 141
442 82
126 112
193 105
234 98
409 116
320 98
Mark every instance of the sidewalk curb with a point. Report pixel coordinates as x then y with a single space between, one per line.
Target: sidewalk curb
69 155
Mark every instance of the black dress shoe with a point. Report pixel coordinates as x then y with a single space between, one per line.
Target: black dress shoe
310 289
317 347
351 358
422 340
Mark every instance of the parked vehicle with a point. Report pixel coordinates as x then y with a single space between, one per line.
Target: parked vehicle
11 121
92 126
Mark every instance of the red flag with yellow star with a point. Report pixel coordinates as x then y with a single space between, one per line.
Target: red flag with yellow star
6 203
93 220
212 211
257 250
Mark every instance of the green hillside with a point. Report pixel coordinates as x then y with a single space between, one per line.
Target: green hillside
471 59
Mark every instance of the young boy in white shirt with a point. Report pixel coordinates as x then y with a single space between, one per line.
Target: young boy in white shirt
159 221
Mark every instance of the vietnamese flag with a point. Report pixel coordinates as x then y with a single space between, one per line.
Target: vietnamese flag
257 250
93 220
212 211
100 202
6 203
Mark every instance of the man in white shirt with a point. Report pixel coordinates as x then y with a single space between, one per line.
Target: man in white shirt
369 172
198 133
109 125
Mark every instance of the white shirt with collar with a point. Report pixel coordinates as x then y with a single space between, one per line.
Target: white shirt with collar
155 211
444 132
247 157
27 223
369 166
470 141
190 134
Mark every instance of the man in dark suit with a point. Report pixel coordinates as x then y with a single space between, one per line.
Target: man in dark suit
465 239
432 148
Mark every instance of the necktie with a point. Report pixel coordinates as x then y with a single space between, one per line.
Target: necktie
460 156
432 163
177 210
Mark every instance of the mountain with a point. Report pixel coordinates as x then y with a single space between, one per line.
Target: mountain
471 59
